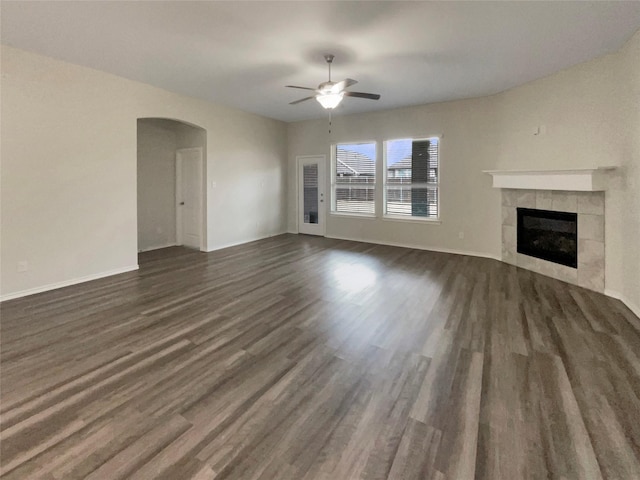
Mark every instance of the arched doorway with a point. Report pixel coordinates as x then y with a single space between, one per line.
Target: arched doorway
171 181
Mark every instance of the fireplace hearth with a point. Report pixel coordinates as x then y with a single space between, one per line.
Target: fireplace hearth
548 235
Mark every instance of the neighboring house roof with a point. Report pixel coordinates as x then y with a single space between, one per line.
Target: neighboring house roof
350 163
406 161
401 165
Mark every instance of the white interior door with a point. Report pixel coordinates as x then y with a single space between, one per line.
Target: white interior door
311 197
189 197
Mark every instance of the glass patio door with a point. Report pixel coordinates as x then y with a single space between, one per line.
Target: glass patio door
311 197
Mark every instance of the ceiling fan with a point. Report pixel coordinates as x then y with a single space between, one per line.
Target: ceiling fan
329 94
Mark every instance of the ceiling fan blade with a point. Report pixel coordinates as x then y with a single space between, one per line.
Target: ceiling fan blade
303 88
340 86
302 100
370 96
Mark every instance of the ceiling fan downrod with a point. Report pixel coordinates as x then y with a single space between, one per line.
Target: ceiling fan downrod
329 58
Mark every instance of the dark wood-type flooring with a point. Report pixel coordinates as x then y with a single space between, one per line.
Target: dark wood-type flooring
308 358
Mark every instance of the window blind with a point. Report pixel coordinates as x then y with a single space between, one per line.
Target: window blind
354 178
411 177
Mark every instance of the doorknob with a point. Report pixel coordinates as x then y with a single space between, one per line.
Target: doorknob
181 203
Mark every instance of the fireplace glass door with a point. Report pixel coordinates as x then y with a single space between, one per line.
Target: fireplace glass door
548 235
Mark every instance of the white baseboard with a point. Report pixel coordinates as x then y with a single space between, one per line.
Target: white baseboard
157 247
66 283
419 247
242 242
633 307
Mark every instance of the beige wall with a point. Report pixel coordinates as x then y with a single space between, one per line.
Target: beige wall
188 136
468 139
590 113
68 182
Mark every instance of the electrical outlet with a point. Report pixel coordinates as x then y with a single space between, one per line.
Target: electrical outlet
23 266
460 235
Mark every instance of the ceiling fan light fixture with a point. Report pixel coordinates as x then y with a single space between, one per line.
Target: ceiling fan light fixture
329 100
329 94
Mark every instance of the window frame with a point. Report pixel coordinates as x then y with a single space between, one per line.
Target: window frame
334 161
410 218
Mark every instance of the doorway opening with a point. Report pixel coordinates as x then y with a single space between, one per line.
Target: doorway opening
171 177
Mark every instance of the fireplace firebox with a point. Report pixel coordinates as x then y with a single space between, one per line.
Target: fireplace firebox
548 235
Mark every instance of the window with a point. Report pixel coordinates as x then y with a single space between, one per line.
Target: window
354 178
411 178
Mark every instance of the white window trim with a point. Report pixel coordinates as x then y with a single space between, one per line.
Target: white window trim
369 216
400 218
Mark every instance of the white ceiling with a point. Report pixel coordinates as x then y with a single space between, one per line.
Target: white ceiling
242 54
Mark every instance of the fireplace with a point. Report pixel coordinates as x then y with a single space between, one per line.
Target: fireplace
589 209
548 235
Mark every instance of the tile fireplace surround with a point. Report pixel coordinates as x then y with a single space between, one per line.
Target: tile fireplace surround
590 209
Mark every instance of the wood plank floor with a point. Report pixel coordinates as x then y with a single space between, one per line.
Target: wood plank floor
308 358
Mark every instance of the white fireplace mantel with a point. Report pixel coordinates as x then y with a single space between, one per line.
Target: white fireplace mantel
578 180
